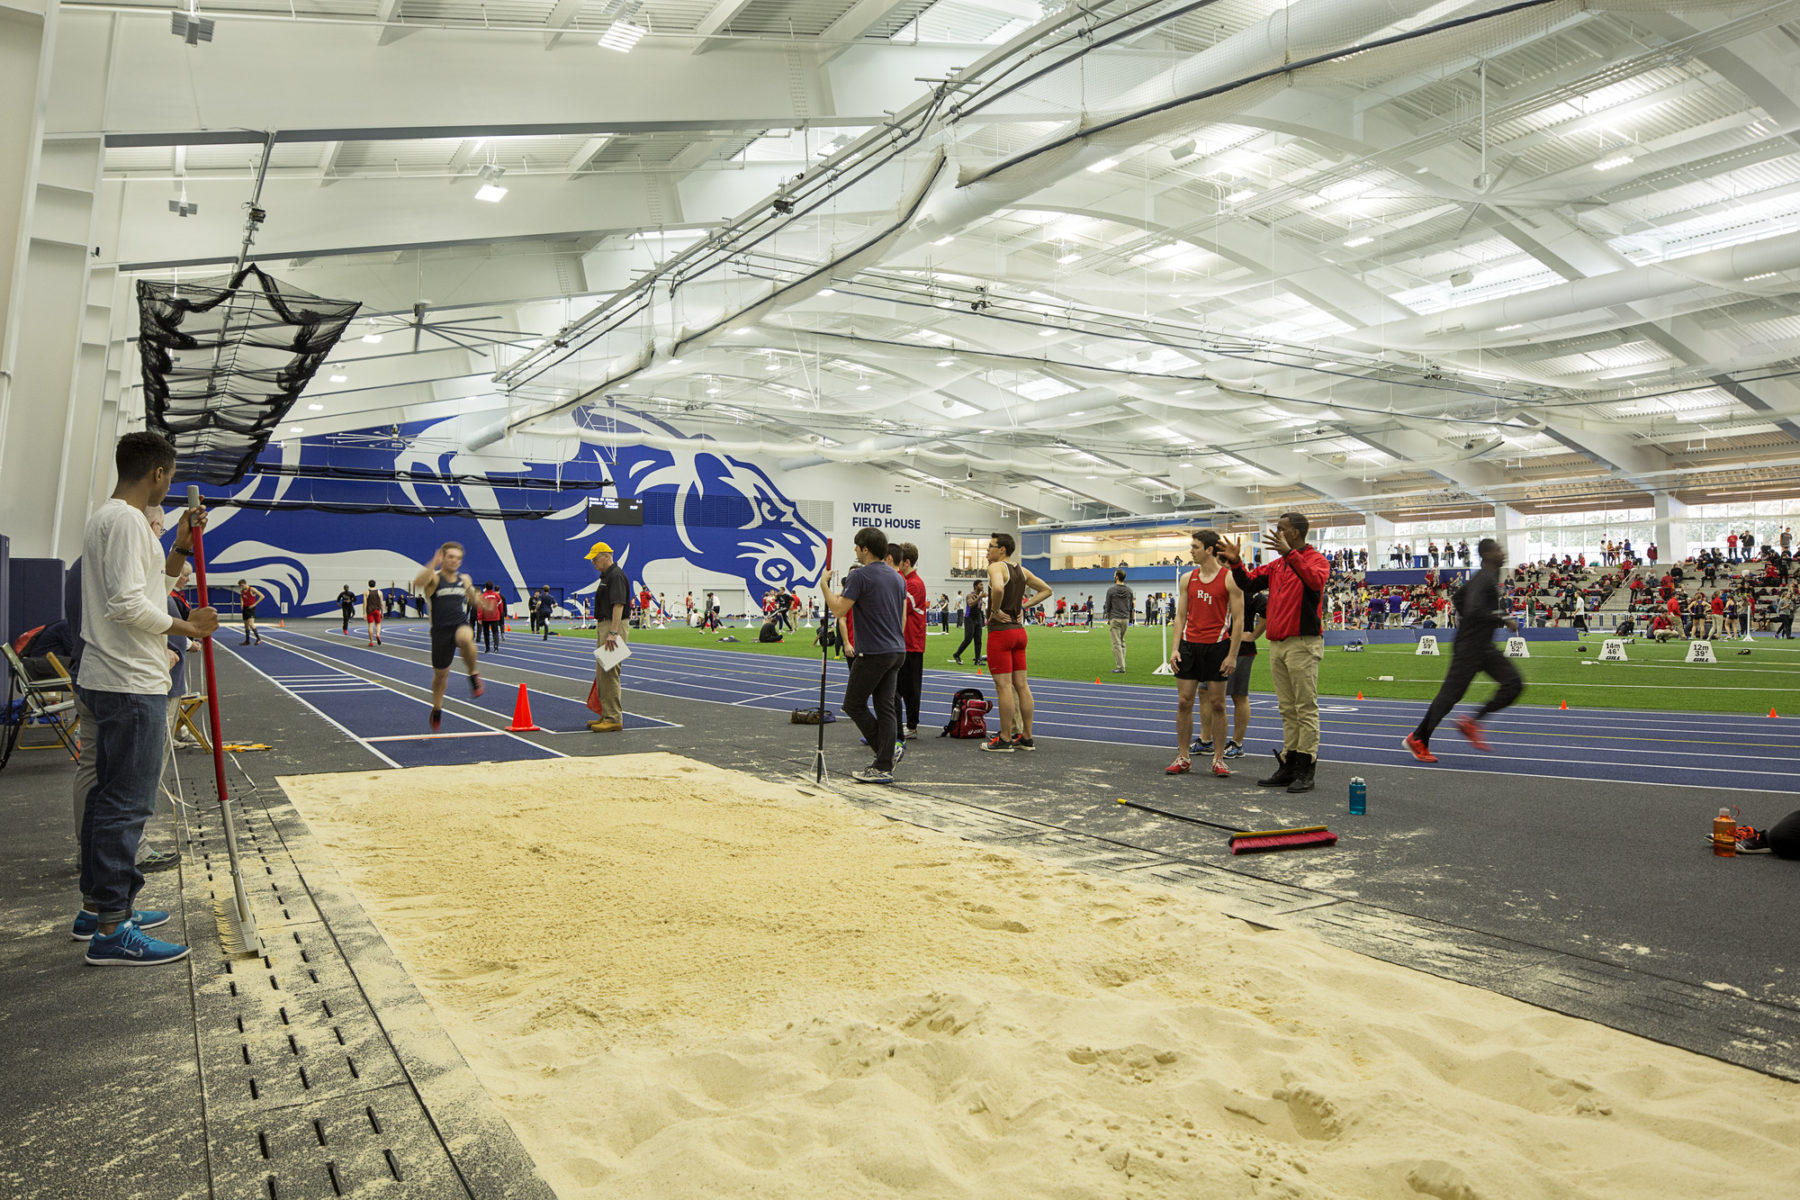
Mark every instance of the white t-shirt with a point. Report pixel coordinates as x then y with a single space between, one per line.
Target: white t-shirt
124 604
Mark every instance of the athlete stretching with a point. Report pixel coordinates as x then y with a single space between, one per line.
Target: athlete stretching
1478 615
452 596
1006 643
1209 610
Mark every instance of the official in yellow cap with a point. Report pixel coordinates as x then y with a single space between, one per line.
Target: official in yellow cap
612 601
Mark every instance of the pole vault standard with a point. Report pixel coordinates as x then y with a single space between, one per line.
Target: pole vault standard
1163 667
237 922
824 660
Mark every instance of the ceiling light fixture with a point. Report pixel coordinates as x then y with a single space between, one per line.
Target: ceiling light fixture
622 36
373 339
1185 149
191 27
1354 242
1619 160
1508 328
945 240
862 387
316 407
828 291
1763 275
1240 195
1072 257
295 429
1046 333
1105 164
340 379
490 189
946 362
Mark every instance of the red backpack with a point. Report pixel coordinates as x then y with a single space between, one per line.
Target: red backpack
968 715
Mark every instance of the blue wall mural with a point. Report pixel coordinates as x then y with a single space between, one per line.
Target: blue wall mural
344 508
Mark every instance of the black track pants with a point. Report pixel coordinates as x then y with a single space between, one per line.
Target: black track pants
1465 663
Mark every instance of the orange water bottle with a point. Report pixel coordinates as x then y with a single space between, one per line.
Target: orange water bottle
1725 834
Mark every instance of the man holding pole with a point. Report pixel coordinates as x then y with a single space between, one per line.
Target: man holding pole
123 681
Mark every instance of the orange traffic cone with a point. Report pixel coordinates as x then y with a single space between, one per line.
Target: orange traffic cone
1096 679
522 722
1772 710
1565 706
978 670
1359 695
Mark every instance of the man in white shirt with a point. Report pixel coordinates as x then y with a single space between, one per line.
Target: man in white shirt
124 678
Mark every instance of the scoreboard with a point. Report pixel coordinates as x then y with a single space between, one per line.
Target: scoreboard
615 510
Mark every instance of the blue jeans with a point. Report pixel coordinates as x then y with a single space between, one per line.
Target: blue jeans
128 763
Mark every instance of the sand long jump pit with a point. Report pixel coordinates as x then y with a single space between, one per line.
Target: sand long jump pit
680 981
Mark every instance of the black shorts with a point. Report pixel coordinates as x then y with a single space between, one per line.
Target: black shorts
1240 677
1202 661
443 645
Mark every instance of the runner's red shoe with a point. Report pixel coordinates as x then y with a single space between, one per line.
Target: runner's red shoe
1419 749
1469 729
1180 766
1221 770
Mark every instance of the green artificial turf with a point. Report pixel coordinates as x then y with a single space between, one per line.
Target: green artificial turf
1654 678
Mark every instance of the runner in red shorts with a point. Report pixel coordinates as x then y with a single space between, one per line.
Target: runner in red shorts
1006 643
372 613
1209 609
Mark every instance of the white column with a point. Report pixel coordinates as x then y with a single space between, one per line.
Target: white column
1510 532
27 42
1671 529
1378 539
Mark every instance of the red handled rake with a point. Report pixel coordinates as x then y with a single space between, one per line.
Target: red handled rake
1248 841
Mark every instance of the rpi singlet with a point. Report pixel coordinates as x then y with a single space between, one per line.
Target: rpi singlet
1208 607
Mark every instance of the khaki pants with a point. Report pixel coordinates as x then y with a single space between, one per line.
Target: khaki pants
1118 625
1295 664
611 691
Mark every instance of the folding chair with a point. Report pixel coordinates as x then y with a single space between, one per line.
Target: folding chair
59 715
185 711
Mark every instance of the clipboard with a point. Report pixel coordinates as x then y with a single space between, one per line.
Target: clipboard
608 659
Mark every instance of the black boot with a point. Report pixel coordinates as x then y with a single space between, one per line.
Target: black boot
1284 772
1303 765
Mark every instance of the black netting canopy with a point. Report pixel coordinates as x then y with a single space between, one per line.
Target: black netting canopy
224 361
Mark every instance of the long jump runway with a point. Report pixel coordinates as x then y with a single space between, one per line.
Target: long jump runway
1718 751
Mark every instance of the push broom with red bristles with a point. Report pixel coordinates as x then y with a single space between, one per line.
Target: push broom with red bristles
1253 841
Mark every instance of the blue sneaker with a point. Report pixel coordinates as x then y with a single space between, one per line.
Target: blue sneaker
87 924
899 751
1201 747
871 775
1233 750
130 946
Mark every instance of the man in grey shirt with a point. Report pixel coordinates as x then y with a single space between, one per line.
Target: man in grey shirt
1120 605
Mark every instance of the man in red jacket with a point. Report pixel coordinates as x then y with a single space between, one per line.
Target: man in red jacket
1295 577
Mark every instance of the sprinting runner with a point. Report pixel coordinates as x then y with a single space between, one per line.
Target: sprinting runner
372 613
1256 611
1209 609
1006 643
1478 615
452 597
249 596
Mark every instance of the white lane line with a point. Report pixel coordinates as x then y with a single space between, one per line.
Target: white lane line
426 737
341 727
313 655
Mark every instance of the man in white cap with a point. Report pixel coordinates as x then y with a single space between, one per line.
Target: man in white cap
612 601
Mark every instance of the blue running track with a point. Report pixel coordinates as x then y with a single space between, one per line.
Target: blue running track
1713 750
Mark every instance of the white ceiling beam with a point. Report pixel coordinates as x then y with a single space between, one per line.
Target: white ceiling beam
386 13
855 24
328 156
718 18
559 20
331 83
578 162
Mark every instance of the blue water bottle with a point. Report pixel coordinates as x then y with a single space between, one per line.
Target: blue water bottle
1359 797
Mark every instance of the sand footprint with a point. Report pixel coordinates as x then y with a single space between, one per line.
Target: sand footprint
1313 1115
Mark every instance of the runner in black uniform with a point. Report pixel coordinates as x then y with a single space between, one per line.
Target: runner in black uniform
1478 615
452 596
